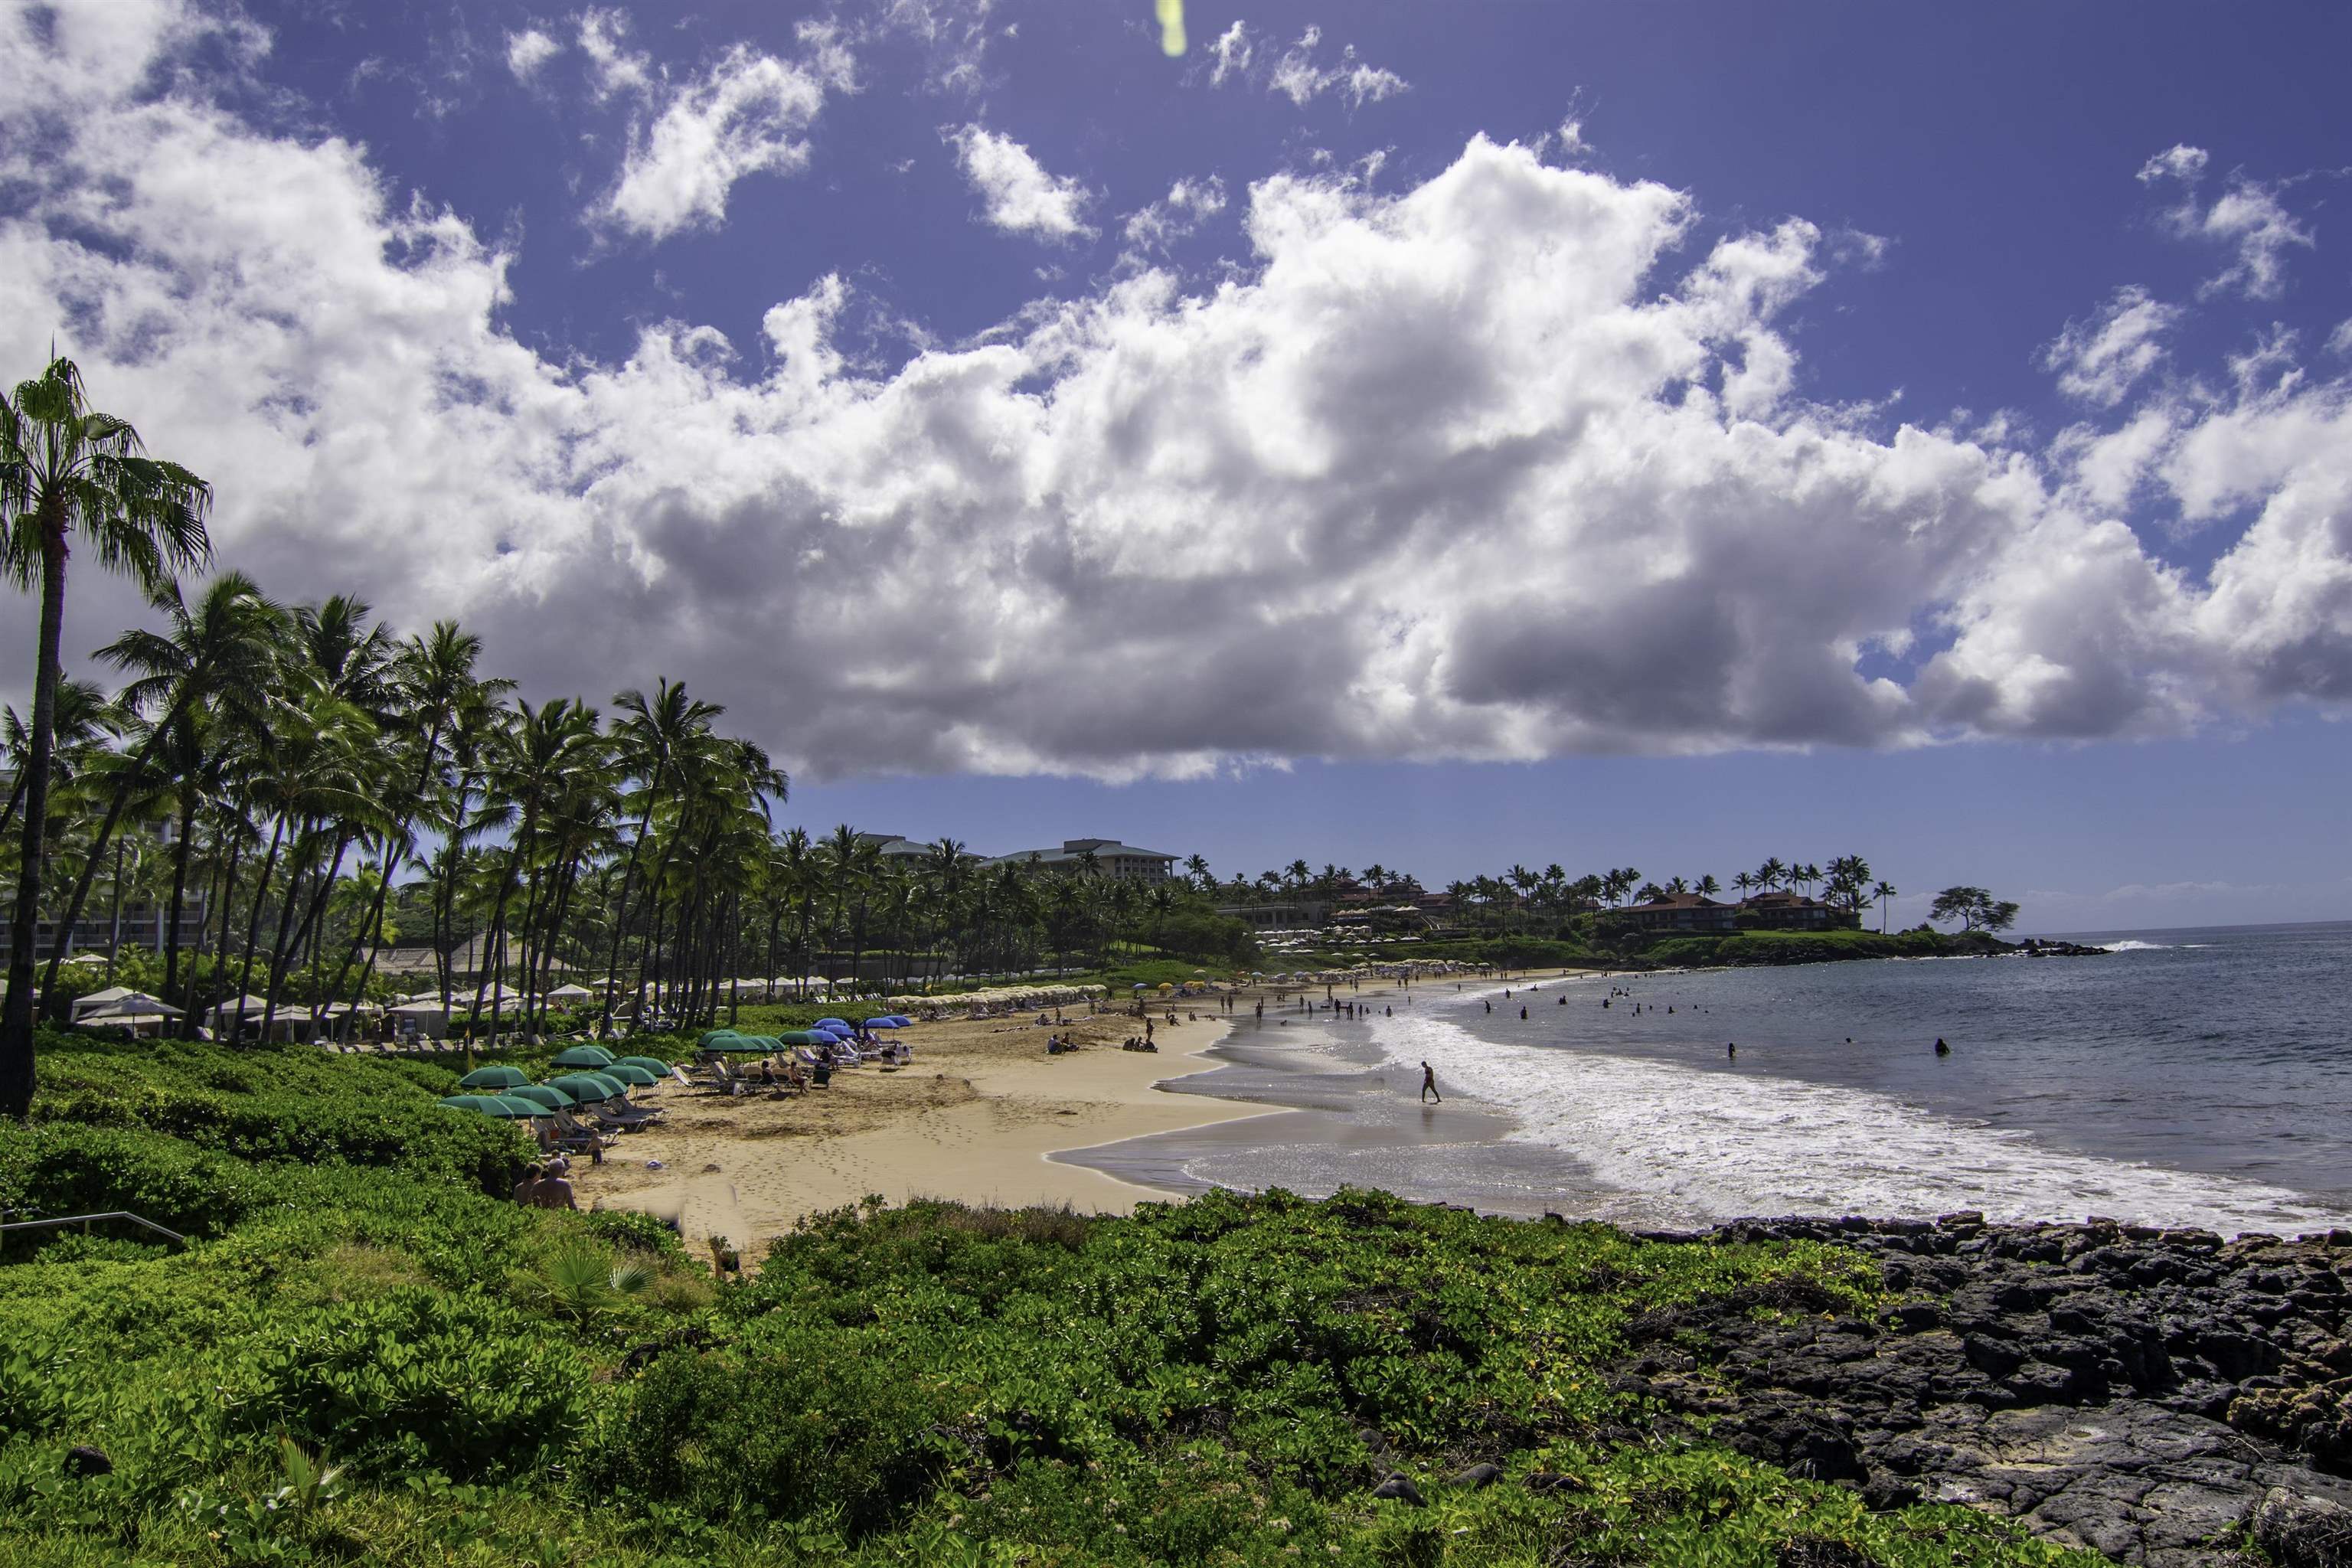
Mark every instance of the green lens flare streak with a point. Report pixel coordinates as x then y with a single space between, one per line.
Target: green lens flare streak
1171 27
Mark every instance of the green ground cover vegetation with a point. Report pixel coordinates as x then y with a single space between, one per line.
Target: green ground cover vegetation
1759 947
365 1357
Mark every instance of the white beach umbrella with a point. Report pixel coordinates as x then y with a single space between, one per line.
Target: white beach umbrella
134 1005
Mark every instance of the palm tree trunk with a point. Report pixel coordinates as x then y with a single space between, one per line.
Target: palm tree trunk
226 886
298 864
496 938
253 929
313 924
115 917
54 1004
621 909
181 851
16 799
16 1012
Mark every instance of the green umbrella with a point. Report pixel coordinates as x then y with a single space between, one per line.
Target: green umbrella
591 1057
494 1105
588 1086
497 1076
718 1039
631 1075
548 1095
653 1065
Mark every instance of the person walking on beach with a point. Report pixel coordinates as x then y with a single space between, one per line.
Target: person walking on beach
1428 1085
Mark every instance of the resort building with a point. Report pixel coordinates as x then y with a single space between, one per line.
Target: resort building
1680 912
1794 912
897 845
1693 913
1110 856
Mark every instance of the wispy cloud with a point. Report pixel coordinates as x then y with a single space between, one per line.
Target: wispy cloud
1019 196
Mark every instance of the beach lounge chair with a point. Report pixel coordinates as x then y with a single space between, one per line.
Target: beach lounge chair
628 1118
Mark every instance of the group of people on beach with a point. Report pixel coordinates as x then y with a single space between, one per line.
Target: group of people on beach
547 1185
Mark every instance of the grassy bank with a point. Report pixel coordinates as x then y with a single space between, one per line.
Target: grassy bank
936 1384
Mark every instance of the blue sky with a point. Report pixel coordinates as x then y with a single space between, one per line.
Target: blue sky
1444 436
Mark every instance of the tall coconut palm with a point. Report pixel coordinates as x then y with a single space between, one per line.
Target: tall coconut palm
218 654
651 737
431 680
1879 894
70 473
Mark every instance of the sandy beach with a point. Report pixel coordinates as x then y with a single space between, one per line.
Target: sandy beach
972 1118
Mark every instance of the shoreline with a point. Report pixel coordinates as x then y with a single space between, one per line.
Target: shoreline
1336 1118
1537 1133
977 1117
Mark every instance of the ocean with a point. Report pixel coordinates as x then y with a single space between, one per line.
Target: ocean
2195 1077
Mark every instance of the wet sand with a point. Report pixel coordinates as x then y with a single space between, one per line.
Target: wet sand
1343 1119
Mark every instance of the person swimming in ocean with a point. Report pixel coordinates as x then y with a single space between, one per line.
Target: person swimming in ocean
1523 1015
1942 1050
1731 1049
1490 1007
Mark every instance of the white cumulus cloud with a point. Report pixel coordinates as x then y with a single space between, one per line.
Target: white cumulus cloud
613 67
2180 162
2100 361
1017 193
748 115
1298 75
1177 214
1484 467
528 49
2248 219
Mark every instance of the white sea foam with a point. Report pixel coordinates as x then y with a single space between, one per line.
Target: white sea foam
2129 945
1711 1146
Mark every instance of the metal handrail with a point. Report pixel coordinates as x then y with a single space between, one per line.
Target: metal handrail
84 1219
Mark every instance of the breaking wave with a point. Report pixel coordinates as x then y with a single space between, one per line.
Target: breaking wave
1705 1146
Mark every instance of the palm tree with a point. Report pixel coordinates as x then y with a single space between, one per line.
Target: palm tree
66 469
433 685
1879 894
221 655
652 737
1743 882
1708 887
1770 873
